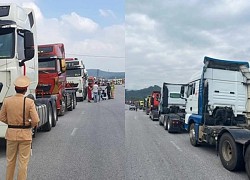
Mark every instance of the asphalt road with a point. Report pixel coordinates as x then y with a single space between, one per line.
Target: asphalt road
98 141
87 143
153 153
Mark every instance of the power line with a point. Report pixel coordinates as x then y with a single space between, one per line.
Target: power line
97 56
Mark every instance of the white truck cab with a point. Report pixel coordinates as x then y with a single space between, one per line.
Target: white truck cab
77 77
17 31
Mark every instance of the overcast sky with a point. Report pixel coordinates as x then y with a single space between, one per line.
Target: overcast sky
92 30
166 41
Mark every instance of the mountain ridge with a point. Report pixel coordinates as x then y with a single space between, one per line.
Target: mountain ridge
135 95
105 74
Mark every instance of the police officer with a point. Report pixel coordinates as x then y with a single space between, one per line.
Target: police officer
20 114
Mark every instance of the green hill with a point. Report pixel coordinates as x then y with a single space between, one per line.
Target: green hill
134 95
106 74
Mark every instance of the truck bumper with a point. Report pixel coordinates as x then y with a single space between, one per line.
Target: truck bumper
154 114
176 127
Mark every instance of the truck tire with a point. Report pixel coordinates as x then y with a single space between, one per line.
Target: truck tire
230 153
61 112
247 161
54 113
48 125
192 135
81 99
74 101
165 124
160 123
71 104
169 126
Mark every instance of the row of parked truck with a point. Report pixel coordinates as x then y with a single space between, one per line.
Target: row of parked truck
56 82
213 107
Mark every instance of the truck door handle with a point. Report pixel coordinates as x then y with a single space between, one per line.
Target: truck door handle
191 108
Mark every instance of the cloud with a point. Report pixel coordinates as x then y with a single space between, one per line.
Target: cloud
100 47
166 41
107 13
77 22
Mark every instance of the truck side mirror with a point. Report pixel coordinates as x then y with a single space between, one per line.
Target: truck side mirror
29 50
182 91
63 65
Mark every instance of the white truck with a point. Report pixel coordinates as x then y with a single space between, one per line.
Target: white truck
172 107
19 56
218 108
77 77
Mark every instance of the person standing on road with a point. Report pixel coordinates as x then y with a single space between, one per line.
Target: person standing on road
99 91
89 92
112 89
95 91
20 114
108 90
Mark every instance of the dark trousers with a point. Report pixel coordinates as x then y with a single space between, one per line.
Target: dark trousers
108 92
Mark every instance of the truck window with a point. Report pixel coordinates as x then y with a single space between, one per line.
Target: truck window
189 90
20 46
7 41
73 73
193 88
47 65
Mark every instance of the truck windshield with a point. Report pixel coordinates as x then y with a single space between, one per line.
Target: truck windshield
47 65
7 41
73 73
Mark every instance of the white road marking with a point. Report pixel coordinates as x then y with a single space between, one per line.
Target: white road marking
73 132
177 147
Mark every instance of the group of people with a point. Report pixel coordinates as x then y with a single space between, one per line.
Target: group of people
96 93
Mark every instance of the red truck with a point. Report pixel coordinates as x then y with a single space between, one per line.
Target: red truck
155 100
52 77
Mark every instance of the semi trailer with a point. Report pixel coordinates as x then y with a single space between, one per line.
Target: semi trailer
76 77
172 107
52 77
218 110
154 103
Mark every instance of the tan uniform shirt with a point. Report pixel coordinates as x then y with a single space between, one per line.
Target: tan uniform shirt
12 114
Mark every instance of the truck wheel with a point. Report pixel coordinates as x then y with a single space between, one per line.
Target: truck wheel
169 126
48 125
54 112
62 109
74 101
160 123
230 153
247 161
165 124
192 135
71 104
